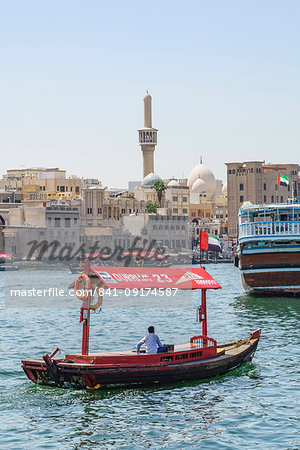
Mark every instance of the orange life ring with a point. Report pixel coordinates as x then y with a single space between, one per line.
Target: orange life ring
79 285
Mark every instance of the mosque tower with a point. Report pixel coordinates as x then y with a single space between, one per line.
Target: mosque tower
148 137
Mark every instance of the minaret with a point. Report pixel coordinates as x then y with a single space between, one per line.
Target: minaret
148 137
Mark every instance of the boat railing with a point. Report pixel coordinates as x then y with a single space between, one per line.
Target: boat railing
203 341
269 228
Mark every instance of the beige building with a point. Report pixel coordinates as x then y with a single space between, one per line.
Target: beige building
39 185
178 197
256 182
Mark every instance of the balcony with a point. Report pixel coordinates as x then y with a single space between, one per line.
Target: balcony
269 229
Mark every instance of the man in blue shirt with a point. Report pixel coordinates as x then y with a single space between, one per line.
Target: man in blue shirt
152 342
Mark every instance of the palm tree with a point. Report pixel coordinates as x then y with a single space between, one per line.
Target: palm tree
160 187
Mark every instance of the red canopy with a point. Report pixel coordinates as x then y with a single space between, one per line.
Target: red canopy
5 256
147 277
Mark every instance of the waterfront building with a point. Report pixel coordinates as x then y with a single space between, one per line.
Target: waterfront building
40 185
256 182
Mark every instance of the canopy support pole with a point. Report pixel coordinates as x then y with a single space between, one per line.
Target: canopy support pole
85 315
203 304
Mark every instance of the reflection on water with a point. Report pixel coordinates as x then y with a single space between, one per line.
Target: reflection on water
253 406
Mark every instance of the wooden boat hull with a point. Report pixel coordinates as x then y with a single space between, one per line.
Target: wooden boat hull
6 267
271 273
69 374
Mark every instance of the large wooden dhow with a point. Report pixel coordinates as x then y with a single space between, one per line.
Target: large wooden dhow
200 358
269 248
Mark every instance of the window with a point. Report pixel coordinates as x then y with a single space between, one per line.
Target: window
49 220
233 171
182 227
175 210
75 220
265 198
57 188
67 222
241 187
265 187
100 210
175 199
272 199
62 189
77 189
184 211
184 199
251 169
172 227
57 222
160 227
154 227
177 227
166 227
281 199
229 171
241 199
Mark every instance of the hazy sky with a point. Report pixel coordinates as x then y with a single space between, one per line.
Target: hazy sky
224 78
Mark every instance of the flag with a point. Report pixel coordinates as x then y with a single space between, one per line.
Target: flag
203 240
283 180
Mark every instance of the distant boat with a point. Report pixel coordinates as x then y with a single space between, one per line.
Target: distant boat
269 248
6 262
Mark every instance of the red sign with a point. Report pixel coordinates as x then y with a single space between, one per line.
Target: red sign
203 240
147 277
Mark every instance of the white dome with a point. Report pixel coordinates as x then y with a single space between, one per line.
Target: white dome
203 172
246 204
199 186
173 183
224 188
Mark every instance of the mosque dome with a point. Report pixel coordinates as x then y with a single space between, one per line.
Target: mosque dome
199 186
224 189
203 172
173 183
246 204
150 179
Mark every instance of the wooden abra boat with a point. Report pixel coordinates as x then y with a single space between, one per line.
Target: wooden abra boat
200 358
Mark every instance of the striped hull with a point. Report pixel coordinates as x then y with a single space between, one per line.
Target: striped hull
272 272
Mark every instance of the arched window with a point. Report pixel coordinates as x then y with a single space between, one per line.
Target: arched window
265 187
272 199
241 198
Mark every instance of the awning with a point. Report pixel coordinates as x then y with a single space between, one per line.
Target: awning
155 278
5 256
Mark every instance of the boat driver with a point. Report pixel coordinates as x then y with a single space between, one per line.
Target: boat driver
152 342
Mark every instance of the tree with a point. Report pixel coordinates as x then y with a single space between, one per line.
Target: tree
151 207
160 187
144 230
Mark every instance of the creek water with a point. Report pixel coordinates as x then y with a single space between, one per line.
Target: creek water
256 405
